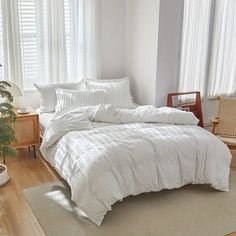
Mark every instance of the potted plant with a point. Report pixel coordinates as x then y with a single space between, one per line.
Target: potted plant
7 133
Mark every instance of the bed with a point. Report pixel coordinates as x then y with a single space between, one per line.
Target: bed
107 152
104 162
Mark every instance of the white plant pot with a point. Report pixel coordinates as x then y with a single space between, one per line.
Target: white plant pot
4 177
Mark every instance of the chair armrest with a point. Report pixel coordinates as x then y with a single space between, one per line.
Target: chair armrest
214 122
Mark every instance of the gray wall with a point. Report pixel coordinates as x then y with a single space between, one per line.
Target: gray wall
111 38
169 44
142 18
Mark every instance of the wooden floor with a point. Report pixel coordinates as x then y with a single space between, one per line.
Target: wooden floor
16 218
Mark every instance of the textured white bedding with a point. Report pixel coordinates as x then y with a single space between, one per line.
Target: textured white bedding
44 120
105 162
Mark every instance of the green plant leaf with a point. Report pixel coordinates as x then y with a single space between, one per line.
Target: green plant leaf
9 152
7 134
6 105
5 83
6 94
7 117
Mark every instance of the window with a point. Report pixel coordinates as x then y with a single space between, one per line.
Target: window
46 41
30 36
208 53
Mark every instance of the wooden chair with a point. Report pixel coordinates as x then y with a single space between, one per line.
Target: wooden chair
194 106
224 125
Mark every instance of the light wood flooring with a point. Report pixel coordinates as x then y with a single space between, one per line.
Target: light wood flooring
16 217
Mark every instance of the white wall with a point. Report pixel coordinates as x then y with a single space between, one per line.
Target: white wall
31 98
111 38
169 44
208 110
141 48
142 39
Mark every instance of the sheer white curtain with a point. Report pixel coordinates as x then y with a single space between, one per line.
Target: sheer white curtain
223 52
208 54
90 55
11 42
83 23
195 41
55 42
70 39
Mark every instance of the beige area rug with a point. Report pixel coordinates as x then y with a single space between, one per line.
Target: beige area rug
196 210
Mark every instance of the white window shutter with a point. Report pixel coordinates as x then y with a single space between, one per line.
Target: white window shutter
30 31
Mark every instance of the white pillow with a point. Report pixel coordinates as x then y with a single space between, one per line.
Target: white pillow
47 94
117 91
67 99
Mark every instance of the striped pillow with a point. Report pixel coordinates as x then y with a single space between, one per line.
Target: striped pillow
117 91
68 99
47 94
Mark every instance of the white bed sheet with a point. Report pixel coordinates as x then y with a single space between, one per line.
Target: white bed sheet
44 120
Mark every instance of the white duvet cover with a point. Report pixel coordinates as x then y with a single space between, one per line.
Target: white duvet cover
106 162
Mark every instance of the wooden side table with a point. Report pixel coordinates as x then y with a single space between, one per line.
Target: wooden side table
27 130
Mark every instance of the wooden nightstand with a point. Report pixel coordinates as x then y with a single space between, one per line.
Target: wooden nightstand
27 130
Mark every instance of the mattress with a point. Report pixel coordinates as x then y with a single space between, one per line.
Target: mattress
44 120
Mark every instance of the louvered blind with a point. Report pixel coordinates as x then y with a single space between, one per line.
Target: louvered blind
30 39
67 14
1 46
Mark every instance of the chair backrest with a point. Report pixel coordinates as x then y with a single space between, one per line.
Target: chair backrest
194 106
226 113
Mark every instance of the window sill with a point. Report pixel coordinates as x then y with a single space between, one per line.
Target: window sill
30 90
